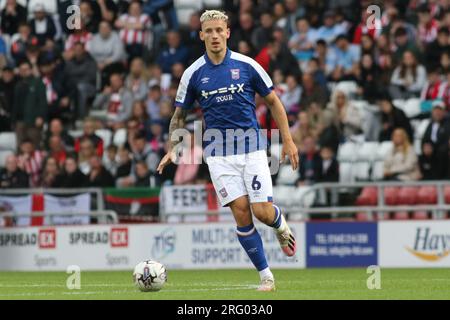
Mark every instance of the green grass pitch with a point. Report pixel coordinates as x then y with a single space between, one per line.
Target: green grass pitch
233 284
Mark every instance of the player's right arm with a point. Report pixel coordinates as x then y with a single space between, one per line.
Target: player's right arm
177 122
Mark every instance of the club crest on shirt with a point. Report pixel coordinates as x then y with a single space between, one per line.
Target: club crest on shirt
223 193
234 74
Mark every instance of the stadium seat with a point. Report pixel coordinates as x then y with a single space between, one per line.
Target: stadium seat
347 152
365 155
398 103
120 137
421 128
391 195
427 195
286 176
407 196
420 215
106 136
412 107
377 171
368 197
447 194
346 173
8 141
400 215
3 155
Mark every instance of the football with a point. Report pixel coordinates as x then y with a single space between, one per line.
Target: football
150 275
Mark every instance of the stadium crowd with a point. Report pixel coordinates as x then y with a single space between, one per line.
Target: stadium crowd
119 72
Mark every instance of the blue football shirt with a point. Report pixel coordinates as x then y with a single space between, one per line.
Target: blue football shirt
226 95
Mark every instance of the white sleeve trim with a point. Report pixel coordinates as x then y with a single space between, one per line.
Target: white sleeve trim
262 73
187 75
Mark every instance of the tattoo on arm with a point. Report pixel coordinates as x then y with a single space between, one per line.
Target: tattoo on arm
177 122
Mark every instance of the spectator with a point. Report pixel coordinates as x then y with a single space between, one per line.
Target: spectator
12 176
343 60
294 11
99 176
243 31
261 35
310 163
153 101
329 30
142 151
408 79
108 50
348 118
139 113
428 162
58 100
30 160
12 16
87 150
50 172
173 53
329 167
89 132
369 81
291 97
392 118
427 28
7 84
56 149
81 77
71 176
191 38
402 44
438 135
144 177
301 130
329 135
110 160
302 42
434 87
56 128
42 25
313 67
136 82
124 164
134 30
435 49
116 100
30 106
20 41
312 92
78 36
401 164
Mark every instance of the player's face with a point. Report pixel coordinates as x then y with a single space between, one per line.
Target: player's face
215 34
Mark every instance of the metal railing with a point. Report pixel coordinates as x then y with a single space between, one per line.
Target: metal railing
100 204
110 216
333 189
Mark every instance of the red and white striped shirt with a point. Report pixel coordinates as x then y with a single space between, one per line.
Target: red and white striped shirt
32 165
52 96
84 38
135 36
428 33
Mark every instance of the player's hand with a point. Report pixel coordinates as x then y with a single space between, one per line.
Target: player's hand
289 149
165 161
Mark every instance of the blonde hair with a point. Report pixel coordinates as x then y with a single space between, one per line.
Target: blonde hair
213 15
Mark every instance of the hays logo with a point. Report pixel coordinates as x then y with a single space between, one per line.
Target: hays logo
164 244
119 237
47 239
429 246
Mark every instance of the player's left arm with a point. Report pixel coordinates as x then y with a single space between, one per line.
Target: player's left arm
279 115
